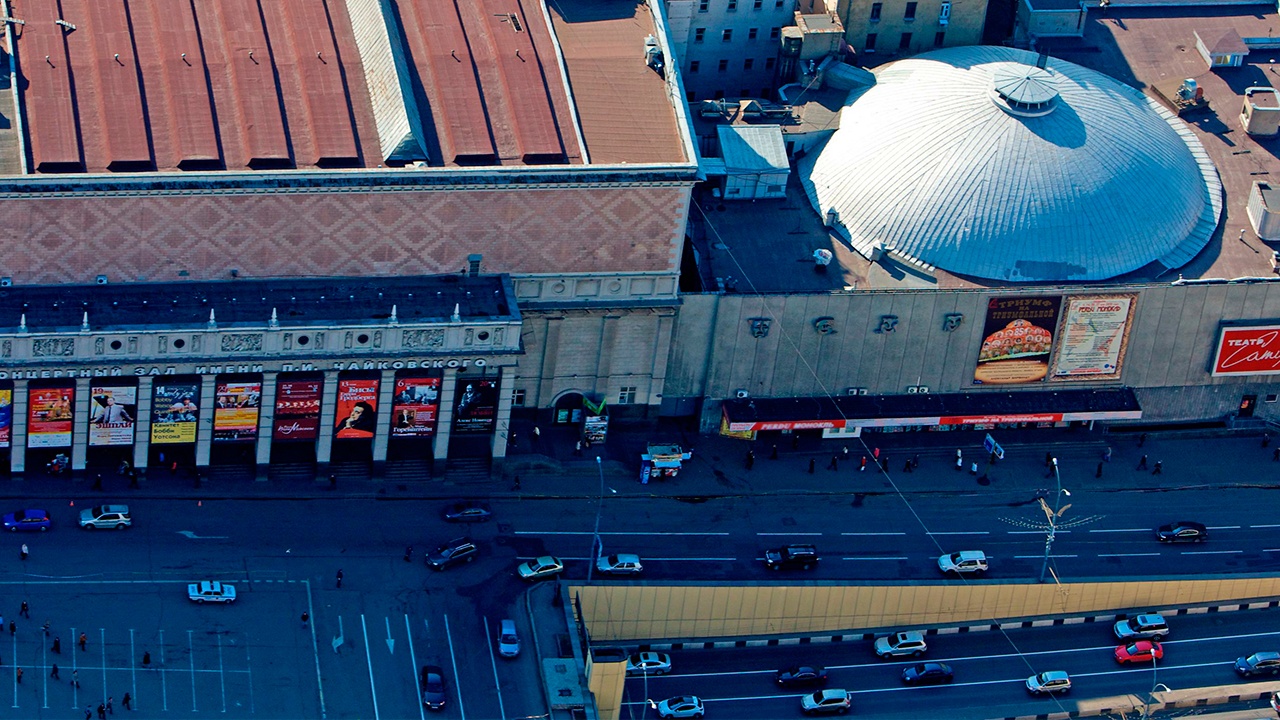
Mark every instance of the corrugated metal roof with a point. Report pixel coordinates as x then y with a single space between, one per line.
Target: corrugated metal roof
927 165
752 148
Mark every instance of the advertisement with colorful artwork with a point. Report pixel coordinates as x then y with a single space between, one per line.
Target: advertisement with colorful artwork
415 407
1017 338
475 408
6 417
235 413
1093 337
50 416
112 409
175 412
357 409
298 409
1248 350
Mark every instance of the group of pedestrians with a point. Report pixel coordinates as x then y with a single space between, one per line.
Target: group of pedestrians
104 708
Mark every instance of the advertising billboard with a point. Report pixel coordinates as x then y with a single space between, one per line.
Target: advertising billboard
175 411
112 409
1093 338
415 407
235 413
1248 350
49 416
298 409
1017 338
357 415
6 417
475 408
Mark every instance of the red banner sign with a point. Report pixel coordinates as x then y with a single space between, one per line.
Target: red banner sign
1248 351
297 409
357 409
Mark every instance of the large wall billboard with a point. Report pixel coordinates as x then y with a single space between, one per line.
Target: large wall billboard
235 413
112 413
1093 337
6 417
175 411
1017 338
475 408
50 416
357 409
298 409
415 407
1248 350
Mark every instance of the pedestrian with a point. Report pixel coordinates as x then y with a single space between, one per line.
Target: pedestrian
24 552
795 441
13 628
97 482
1159 468
812 463
173 468
512 441
1142 464
110 710
844 453
102 711
19 674
57 645
333 481
515 483
959 461
46 628
1275 455
751 459
1106 455
83 639
863 468
126 701
88 713
146 659
408 553
25 611
973 468
835 463
54 672
1048 458
915 461
875 453
339 577
1098 474
1053 465
75 679
1266 439
773 454
537 435
305 617
1142 439
577 449
907 466
133 478
884 462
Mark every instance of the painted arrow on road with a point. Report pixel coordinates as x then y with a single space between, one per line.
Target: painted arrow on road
391 643
192 536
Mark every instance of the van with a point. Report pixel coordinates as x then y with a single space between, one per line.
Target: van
508 640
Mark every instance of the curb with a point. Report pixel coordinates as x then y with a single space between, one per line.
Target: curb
1173 700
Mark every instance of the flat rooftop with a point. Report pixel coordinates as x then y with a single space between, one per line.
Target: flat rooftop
212 85
768 245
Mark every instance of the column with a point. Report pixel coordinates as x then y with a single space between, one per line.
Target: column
266 424
328 409
444 423
382 434
208 408
18 456
503 425
80 422
142 423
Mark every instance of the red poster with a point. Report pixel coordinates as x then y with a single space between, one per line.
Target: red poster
49 416
416 405
357 409
298 409
1248 351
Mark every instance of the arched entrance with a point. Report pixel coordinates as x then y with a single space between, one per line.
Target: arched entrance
568 408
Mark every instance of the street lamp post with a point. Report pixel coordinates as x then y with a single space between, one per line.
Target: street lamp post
1052 516
1146 708
595 535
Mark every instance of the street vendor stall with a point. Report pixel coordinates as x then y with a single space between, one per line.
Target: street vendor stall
662 461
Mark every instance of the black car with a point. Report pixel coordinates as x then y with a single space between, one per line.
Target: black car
465 512
458 550
791 556
1262 663
801 676
1185 531
930 673
433 687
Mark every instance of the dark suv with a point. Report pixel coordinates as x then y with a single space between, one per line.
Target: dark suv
458 550
791 556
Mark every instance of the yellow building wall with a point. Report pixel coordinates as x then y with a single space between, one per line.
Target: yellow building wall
605 680
963 28
616 613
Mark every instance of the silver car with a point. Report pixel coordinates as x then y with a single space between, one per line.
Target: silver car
620 564
649 663
106 516
1150 626
910 642
1048 683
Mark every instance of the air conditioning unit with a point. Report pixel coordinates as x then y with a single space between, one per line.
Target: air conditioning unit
912 390
741 394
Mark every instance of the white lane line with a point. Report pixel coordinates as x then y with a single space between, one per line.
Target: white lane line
875 558
248 668
1122 530
789 534
1034 532
315 648
102 643
488 641
368 660
191 657
1128 554
1212 552
1036 557
133 667
883 534
453 660
413 663
222 676
1222 527
963 532
583 532
1264 526
1271 550
692 559
164 686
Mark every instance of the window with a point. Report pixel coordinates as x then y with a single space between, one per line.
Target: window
627 395
694 65
517 397
699 34
944 14
703 5
769 62
876 8
910 14
747 64
752 33
757 5
904 43
690 96
778 3
724 65
939 38
871 42
775 33
727 35
733 5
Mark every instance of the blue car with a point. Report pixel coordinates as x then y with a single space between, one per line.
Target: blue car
28 520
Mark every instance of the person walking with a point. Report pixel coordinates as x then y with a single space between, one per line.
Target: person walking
751 459
19 675
1159 468
25 611
46 628
863 468
88 713
54 672
57 645
408 553
773 454
24 552
126 702
884 462
339 577
915 461
973 468
102 711
844 453
146 659
1142 464
75 679
83 639
1053 465
835 463
1048 458
812 463
959 461
577 449
1275 455
875 453
1106 455
305 617
1266 439
907 466
795 441
13 628
110 700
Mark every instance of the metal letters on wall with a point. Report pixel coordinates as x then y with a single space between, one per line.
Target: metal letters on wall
825 325
952 322
888 323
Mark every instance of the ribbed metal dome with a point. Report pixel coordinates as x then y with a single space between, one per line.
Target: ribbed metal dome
974 160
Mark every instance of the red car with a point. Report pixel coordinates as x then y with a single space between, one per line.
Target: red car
1141 651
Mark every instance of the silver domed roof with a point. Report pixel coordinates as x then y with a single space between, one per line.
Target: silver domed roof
974 160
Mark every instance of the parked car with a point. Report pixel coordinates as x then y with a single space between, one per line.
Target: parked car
106 516
1143 652
538 568
899 644
966 561
508 639
211 591
826 702
1049 683
930 673
648 663
27 521
457 550
801 676
466 511
1185 531
1260 663
620 564
790 557
1142 627
685 706
433 687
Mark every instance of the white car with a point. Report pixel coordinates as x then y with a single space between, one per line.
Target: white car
1049 683
211 591
106 516
539 568
910 642
620 564
648 663
685 706
967 561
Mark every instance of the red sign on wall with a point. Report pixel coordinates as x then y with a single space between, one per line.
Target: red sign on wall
1248 351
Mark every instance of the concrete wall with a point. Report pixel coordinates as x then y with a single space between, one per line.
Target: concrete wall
687 16
618 613
964 26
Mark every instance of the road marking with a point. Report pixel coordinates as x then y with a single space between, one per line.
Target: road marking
413 663
1211 552
1264 526
884 534
133 667
222 677
1035 532
875 558
368 660
164 686
1128 554
248 668
488 641
191 658
789 534
192 536
315 648
1123 530
576 532
1037 557
453 660
1222 527
691 559
962 532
